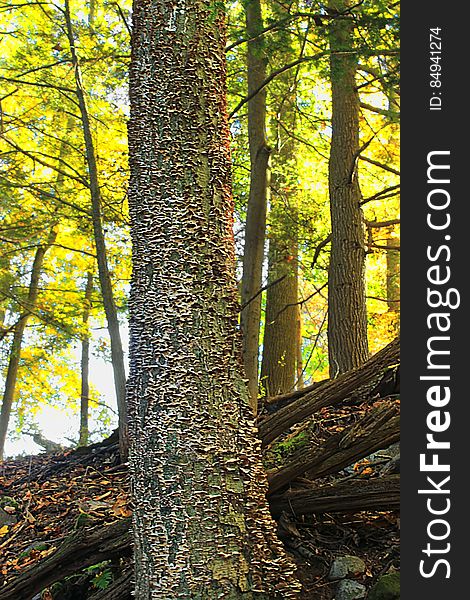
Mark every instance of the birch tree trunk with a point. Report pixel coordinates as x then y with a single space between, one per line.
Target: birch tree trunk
347 315
202 527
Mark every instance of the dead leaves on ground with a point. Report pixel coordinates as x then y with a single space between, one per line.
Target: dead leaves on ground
48 510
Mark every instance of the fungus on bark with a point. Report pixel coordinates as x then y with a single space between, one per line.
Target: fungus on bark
202 526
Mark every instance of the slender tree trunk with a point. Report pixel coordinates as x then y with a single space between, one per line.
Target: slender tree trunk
281 330
300 362
255 229
85 365
18 334
278 367
393 275
347 315
117 355
202 526
5 290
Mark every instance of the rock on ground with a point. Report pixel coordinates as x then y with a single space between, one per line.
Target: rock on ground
350 590
345 566
386 588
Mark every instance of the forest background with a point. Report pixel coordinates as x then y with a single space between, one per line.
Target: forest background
311 138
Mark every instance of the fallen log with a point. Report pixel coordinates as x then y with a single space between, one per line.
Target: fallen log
382 493
378 429
271 404
83 548
111 440
357 384
50 447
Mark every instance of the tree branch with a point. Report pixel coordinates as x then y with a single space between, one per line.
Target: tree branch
379 164
391 114
33 157
388 192
319 248
261 290
37 84
379 224
391 52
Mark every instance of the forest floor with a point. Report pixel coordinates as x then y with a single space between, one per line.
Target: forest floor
373 537
45 498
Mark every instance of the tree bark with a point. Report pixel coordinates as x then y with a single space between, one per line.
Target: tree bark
255 229
358 384
18 333
117 355
202 526
299 384
382 493
282 328
347 313
278 367
378 429
85 365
